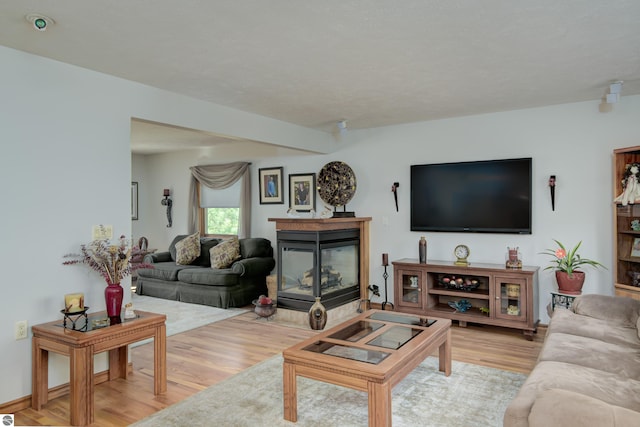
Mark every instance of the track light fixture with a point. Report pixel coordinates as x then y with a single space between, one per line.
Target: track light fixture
611 96
614 92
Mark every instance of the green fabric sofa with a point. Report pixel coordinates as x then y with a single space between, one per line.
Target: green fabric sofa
199 283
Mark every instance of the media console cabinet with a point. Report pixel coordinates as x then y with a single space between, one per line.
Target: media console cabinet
497 295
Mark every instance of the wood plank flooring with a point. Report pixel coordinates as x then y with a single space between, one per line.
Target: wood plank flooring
204 356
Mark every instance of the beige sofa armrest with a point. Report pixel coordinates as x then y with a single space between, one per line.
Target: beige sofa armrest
562 408
621 310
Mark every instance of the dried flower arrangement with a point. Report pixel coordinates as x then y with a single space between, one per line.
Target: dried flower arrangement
111 261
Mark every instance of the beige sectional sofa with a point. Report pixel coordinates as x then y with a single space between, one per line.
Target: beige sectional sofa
588 371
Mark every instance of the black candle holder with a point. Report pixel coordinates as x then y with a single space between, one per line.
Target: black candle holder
385 276
74 318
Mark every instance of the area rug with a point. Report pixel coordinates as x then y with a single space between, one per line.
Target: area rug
182 316
472 396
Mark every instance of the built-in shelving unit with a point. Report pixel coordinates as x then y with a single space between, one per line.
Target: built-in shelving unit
626 263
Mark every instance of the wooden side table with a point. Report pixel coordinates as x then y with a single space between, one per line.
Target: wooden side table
81 347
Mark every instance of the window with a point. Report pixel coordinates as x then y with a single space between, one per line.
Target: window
220 210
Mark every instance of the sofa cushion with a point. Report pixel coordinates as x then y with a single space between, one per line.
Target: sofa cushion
206 243
225 253
617 359
624 311
562 408
188 249
208 276
255 247
607 387
566 321
172 245
167 271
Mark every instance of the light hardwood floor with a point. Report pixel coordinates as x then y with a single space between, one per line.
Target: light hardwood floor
204 356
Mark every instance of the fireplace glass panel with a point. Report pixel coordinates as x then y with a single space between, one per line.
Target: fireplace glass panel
297 268
340 269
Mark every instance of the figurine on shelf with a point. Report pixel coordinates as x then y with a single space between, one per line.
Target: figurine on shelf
630 187
461 306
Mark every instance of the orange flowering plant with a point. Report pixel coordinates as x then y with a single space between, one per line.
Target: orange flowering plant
568 260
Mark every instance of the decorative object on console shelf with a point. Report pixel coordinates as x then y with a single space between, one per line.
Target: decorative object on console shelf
630 187
461 253
337 186
459 283
271 186
166 193
635 225
514 259
461 306
422 250
112 262
302 192
566 263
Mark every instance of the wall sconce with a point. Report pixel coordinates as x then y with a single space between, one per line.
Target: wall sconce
168 203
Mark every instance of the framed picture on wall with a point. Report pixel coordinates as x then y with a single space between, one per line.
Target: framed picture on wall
271 186
134 201
635 249
302 191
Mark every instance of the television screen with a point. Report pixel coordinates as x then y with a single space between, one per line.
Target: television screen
492 196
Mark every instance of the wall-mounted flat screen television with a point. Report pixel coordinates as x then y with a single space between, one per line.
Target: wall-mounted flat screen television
490 196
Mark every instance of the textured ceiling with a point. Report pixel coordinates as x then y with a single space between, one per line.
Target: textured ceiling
371 62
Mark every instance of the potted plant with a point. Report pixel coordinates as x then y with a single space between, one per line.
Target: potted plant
567 263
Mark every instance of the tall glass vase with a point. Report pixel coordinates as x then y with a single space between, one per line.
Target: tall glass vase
113 294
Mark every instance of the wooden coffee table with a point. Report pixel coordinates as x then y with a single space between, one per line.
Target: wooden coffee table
372 352
81 346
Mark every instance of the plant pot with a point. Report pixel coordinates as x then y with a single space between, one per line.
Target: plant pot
570 284
113 294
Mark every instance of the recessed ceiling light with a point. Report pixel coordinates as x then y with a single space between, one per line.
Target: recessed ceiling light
39 22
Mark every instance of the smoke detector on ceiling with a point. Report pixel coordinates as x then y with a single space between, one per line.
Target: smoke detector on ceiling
39 22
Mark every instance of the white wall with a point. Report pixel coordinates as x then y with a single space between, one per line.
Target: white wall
66 166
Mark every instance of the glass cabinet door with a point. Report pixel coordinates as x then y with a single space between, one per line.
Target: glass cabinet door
510 297
411 289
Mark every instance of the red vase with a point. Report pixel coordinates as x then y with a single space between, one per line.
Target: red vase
113 294
570 284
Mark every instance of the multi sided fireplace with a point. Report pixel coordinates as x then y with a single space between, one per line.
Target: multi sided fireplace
324 257
323 264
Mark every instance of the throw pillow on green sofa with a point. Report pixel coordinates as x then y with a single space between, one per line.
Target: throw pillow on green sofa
188 249
225 253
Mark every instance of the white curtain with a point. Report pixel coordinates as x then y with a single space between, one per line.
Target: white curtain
220 177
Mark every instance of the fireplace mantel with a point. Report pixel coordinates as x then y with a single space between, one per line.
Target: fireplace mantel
326 224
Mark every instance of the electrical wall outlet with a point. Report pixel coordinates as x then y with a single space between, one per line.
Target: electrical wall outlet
21 330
